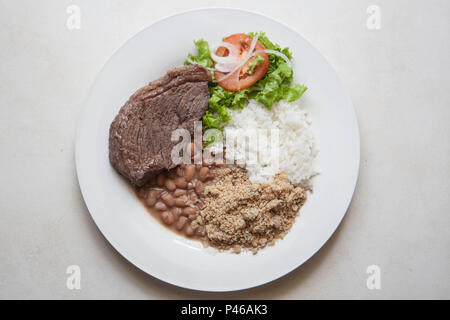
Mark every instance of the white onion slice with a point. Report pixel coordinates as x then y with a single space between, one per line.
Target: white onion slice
227 63
249 54
282 55
232 52
253 45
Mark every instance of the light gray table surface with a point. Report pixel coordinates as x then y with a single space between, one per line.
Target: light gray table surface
397 76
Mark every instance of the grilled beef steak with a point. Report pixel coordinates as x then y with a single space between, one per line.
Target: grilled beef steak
139 136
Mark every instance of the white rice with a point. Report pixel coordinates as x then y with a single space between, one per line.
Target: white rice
297 149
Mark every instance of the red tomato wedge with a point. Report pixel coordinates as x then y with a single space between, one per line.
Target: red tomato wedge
241 78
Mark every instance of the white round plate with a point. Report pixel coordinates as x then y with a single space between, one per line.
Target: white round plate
163 254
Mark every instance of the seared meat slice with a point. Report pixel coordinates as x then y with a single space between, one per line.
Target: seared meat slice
139 136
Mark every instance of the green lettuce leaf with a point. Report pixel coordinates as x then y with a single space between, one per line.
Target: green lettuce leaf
276 86
203 56
210 121
256 61
292 93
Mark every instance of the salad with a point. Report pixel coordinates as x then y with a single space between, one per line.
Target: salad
244 67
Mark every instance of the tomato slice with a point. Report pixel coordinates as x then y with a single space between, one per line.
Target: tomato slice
242 78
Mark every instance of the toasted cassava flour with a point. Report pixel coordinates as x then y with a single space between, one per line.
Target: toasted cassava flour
240 214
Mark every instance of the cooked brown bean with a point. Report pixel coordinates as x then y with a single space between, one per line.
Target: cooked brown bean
181 223
189 173
190 186
172 175
192 217
179 202
193 196
199 188
191 148
160 206
160 179
151 193
211 175
200 231
167 217
179 171
180 183
206 163
142 193
151 200
156 193
176 212
189 231
179 193
168 199
170 185
198 166
189 211
203 173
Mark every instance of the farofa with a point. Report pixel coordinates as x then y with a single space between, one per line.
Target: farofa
240 214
